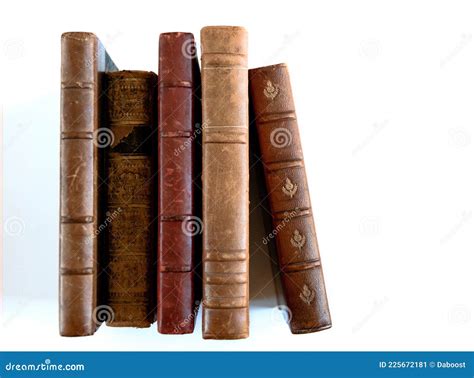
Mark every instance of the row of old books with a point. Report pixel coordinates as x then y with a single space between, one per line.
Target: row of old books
154 210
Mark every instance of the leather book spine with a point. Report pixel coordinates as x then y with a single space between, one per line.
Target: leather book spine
287 187
179 226
131 104
225 183
83 62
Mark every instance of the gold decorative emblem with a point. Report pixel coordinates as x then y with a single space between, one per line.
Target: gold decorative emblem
289 188
271 90
298 240
307 295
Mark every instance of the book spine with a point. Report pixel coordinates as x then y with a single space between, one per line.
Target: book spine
179 226
287 187
225 183
79 184
131 103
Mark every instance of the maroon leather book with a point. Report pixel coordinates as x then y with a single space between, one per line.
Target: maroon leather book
179 226
287 187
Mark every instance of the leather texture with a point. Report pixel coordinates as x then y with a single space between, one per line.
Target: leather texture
287 187
83 62
131 183
225 182
178 228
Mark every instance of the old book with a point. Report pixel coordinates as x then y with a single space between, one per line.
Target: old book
285 176
179 225
225 183
83 63
131 104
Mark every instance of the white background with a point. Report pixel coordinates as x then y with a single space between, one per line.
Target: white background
384 94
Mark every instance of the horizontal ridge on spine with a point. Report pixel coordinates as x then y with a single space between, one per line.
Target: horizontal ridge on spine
299 266
225 278
276 116
83 219
175 84
76 272
77 135
283 164
237 255
176 134
293 213
74 85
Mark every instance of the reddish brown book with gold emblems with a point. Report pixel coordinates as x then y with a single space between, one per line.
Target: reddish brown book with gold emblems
287 187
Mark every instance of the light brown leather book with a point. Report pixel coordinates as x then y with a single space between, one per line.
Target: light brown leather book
83 63
225 183
287 187
131 191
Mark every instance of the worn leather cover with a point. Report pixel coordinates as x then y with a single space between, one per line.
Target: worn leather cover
225 182
83 62
297 247
131 99
179 227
